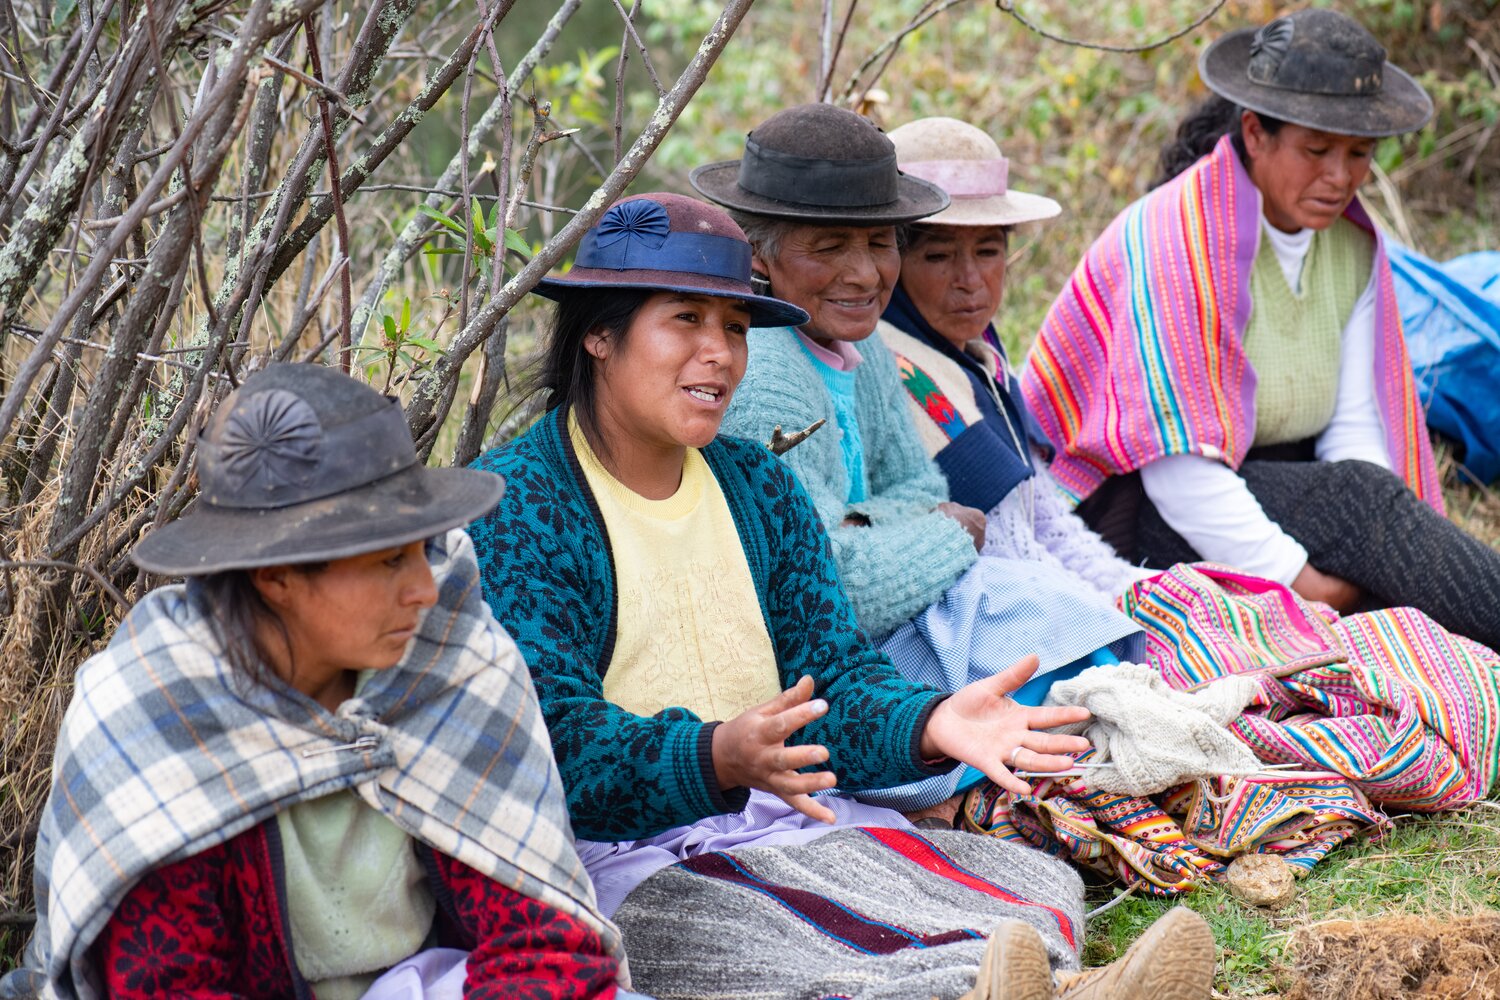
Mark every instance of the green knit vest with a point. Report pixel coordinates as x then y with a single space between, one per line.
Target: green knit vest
1293 341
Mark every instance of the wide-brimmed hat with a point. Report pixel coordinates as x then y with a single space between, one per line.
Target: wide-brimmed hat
670 243
303 464
1319 69
965 162
823 165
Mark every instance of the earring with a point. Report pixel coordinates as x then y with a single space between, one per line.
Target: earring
759 283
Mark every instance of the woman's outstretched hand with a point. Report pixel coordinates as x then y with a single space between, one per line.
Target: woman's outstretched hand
750 751
982 727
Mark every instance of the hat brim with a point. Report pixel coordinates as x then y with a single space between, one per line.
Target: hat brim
915 199
413 504
1400 106
764 309
1009 209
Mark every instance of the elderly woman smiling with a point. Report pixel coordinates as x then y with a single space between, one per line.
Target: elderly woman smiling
825 239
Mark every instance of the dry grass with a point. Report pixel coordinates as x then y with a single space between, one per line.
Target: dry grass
35 686
1473 507
1433 868
1453 958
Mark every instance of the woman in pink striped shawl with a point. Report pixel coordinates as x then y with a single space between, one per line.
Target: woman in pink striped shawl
1225 376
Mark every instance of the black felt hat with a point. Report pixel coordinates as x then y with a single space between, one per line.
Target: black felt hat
820 164
303 464
1319 69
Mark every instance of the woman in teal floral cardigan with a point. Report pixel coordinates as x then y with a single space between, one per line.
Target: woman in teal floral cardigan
549 576
655 577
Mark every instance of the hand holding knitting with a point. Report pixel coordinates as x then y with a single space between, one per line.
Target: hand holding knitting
982 727
750 751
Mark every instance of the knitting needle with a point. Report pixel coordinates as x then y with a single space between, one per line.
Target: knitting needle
1076 771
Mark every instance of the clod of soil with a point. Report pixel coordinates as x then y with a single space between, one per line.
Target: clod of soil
1400 957
1262 880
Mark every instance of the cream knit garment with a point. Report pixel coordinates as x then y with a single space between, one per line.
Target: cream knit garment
1150 737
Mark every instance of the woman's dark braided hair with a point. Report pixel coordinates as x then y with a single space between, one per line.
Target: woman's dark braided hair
1201 130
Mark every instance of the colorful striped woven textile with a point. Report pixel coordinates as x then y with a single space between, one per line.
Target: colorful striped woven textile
1301 815
1140 356
1203 622
1174 842
1389 699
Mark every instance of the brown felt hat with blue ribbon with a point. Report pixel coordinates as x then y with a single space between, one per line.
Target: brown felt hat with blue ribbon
1319 69
304 464
670 243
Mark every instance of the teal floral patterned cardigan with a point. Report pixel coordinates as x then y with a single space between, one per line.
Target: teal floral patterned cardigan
549 576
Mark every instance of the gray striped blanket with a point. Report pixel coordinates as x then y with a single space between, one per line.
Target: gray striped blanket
861 912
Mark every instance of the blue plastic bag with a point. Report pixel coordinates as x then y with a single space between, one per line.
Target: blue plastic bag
1451 315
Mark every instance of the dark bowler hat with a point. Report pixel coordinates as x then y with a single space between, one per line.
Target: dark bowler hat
302 464
823 165
1316 68
670 243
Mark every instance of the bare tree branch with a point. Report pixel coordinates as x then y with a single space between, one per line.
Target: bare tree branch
634 36
422 413
410 239
331 150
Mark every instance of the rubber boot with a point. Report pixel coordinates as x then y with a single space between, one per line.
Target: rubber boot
1173 960
1015 965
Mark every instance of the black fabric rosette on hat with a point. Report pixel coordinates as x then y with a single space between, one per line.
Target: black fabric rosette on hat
304 464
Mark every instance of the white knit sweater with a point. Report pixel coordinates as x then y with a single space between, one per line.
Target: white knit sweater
1034 523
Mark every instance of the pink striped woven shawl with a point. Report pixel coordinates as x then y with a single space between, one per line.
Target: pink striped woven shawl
1140 356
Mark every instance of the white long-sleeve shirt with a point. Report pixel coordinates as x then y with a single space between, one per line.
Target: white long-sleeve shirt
1209 505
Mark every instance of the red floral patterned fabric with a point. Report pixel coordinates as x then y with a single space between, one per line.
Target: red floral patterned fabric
212 927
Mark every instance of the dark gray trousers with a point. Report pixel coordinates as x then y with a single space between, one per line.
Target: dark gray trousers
1357 521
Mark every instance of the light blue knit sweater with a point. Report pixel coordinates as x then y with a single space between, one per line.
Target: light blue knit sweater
910 554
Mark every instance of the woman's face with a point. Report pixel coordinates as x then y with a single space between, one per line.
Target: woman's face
357 613
955 276
1306 177
668 381
842 275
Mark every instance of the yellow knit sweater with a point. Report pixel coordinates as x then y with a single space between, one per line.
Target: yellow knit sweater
689 630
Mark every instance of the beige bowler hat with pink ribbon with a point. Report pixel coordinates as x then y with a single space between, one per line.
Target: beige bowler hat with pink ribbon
965 162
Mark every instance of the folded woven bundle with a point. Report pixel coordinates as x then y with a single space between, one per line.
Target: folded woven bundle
1403 708
1382 708
1175 841
1149 737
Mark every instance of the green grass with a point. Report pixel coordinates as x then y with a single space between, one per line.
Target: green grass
1427 866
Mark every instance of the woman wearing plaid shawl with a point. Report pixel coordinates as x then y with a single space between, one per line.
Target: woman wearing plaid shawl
320 759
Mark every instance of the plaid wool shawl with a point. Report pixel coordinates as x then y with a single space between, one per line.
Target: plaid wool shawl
165 751
1141 355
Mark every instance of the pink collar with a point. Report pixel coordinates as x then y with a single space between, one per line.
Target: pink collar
842 357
